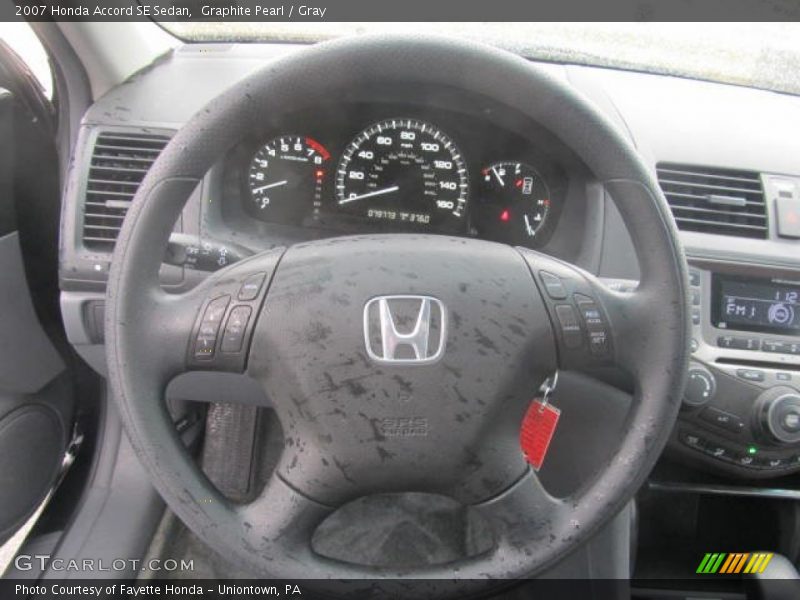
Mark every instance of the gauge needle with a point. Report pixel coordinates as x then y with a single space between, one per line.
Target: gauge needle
531 230
387 190
500 179
270 185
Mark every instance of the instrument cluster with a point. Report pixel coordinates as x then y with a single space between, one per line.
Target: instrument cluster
403 173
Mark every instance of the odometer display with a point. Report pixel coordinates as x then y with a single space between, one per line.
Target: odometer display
403 171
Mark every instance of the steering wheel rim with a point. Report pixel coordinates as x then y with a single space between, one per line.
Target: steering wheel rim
147 328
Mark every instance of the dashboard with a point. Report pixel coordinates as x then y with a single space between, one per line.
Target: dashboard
436 161
389 167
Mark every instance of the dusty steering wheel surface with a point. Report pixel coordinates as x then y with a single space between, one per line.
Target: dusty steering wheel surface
493 332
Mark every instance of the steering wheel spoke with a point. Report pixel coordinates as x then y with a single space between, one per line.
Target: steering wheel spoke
525 515
225 311
596 326
281 521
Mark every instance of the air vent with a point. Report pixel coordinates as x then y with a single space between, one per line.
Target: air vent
119 163
711 200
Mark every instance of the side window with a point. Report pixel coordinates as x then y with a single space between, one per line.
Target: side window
20 38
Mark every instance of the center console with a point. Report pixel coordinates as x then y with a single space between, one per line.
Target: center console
741 408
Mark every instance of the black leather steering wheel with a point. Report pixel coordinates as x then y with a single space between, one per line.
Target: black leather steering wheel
342 412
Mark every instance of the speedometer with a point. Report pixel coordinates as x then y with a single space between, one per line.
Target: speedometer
406 172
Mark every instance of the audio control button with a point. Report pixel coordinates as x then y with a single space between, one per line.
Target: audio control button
775 347
570 327
738 343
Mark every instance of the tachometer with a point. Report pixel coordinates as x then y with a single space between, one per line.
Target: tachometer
406 172
285 178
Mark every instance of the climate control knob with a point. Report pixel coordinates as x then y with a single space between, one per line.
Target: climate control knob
778 414
700 386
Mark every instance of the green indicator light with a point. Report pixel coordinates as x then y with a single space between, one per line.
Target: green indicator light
752 450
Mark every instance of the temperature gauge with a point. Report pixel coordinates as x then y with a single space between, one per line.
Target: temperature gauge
513 203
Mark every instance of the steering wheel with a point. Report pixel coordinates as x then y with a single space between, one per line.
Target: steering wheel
365 408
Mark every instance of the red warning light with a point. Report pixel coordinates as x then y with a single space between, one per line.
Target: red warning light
505 216
518 183
320 173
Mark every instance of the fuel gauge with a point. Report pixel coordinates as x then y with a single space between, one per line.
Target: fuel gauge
513 203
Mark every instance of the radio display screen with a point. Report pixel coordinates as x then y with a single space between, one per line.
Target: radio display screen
769 306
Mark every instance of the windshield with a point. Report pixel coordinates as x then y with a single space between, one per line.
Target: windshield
762 55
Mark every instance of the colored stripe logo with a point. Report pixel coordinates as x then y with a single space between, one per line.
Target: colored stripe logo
735 562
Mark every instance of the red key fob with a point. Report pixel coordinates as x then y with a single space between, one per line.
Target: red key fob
537 431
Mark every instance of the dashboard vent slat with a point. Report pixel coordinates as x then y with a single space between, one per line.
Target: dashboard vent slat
118 166
715 200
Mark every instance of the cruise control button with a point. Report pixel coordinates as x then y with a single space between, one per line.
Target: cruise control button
694 278
598 343
750 374
570 328
233 337
695 297
590 312
251 287
595 325
781 376
722 419
553 285
695 317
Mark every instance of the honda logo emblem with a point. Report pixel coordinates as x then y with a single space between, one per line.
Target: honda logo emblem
405 330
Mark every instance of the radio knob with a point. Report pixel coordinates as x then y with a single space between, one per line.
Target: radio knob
778 414
700 386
